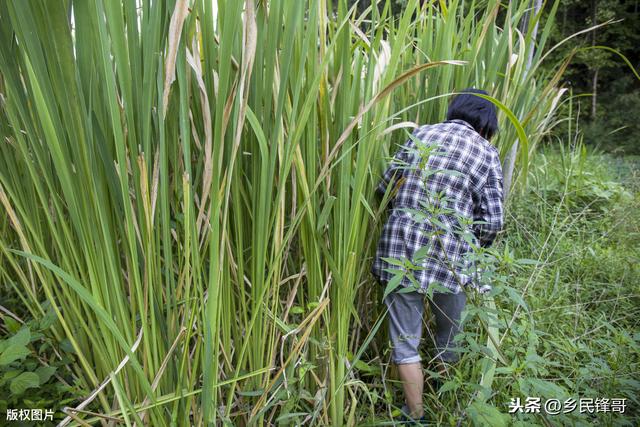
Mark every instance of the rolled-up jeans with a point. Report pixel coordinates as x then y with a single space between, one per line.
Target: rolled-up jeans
405 324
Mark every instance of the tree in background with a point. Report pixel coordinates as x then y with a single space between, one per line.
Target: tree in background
612 93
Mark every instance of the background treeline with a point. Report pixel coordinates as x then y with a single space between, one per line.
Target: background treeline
609 92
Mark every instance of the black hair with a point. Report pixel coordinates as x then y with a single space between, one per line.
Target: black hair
478 112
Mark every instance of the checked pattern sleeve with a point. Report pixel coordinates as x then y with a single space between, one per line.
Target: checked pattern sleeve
394 171
491 209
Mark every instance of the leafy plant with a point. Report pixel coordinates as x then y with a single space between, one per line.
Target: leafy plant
34 370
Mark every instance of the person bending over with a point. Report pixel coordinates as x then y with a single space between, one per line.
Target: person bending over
464 181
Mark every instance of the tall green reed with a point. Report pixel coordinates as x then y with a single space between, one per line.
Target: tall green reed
197 178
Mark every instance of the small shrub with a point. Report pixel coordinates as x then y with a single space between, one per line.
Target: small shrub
33 367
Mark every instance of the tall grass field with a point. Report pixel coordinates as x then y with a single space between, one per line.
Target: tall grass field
188 214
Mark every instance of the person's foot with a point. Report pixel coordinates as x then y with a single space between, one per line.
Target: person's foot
406 419
443 369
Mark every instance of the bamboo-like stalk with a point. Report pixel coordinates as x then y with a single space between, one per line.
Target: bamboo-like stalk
169 166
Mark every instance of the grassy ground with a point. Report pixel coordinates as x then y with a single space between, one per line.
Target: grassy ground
583 225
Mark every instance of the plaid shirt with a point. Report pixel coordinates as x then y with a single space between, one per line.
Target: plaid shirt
460 177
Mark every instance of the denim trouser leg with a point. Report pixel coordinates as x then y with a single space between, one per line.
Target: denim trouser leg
447 309
405 324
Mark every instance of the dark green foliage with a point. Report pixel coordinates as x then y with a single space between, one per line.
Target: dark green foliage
614 126
34 370
617 125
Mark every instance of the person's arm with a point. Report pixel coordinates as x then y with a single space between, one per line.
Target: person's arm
394 169
388 176
490 210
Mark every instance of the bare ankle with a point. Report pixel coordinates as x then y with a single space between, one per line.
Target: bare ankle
415 411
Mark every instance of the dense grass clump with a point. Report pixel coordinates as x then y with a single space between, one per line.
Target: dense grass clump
581 301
